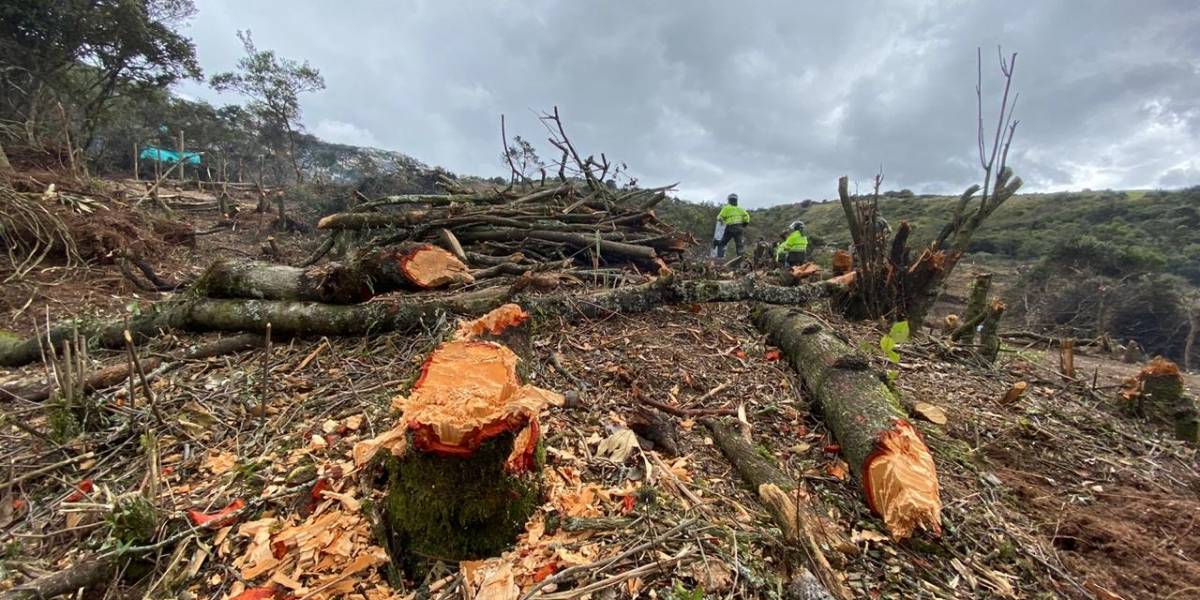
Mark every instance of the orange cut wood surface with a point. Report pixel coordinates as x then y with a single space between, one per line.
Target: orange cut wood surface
901 482
469 392
493 323
431 267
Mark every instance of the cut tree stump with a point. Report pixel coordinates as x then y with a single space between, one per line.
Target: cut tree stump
1157 392
883 449
464 473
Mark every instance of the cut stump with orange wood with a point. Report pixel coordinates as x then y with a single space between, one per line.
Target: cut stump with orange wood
466 454
884 450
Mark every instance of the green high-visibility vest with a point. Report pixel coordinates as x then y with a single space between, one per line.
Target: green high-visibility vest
795 242
733 215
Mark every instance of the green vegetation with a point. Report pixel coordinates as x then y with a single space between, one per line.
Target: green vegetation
1158 230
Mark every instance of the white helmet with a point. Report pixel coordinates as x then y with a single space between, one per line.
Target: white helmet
797 226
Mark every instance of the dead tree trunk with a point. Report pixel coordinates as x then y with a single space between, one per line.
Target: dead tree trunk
883 449
465 462
293 318
989 332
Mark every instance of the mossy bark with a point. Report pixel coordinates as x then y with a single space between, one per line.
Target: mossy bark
451 508
297 318
855 402
976 308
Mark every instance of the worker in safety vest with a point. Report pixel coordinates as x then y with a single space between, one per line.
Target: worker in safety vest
793 250
735 220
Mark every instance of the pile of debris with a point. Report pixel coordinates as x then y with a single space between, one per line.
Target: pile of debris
516 230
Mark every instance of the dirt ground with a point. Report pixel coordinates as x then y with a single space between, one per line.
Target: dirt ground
1058 494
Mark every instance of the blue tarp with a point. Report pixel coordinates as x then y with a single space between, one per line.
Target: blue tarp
169 156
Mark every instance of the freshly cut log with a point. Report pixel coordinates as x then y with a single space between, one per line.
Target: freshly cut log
293 318
467 474
376 271
429 267
333 283
883 449
372 220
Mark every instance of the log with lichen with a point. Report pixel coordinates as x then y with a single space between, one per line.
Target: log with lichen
370 272
296 318
464 458
883 449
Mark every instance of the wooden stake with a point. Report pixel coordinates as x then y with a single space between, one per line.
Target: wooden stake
135 162
182 171
1066 358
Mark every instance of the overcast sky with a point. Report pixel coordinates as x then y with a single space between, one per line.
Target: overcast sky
773 100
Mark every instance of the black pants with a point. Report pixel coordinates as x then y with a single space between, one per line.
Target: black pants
732 232
795 259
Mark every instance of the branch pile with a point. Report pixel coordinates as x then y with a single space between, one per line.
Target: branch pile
589 224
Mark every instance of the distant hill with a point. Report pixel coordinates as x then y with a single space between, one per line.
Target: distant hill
1162 225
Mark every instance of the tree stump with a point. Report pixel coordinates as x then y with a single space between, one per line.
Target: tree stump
464 474
1157 392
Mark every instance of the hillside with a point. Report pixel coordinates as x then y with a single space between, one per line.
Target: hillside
1164 226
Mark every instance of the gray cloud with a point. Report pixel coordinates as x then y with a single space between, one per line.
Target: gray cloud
772 99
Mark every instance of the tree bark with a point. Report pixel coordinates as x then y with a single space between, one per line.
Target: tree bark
885 452
467 475
976 306
295 318
372 272
82 574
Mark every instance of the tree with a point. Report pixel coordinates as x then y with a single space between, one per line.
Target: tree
83 54
273 84
522 158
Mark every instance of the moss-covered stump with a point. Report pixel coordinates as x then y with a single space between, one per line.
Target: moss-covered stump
882 448
1157 392
459 508
465 464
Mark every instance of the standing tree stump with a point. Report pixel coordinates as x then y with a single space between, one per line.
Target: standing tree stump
464 474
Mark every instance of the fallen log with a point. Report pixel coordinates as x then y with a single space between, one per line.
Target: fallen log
296 318
83 574
376 271
464 467
883 449
119 373
800 522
